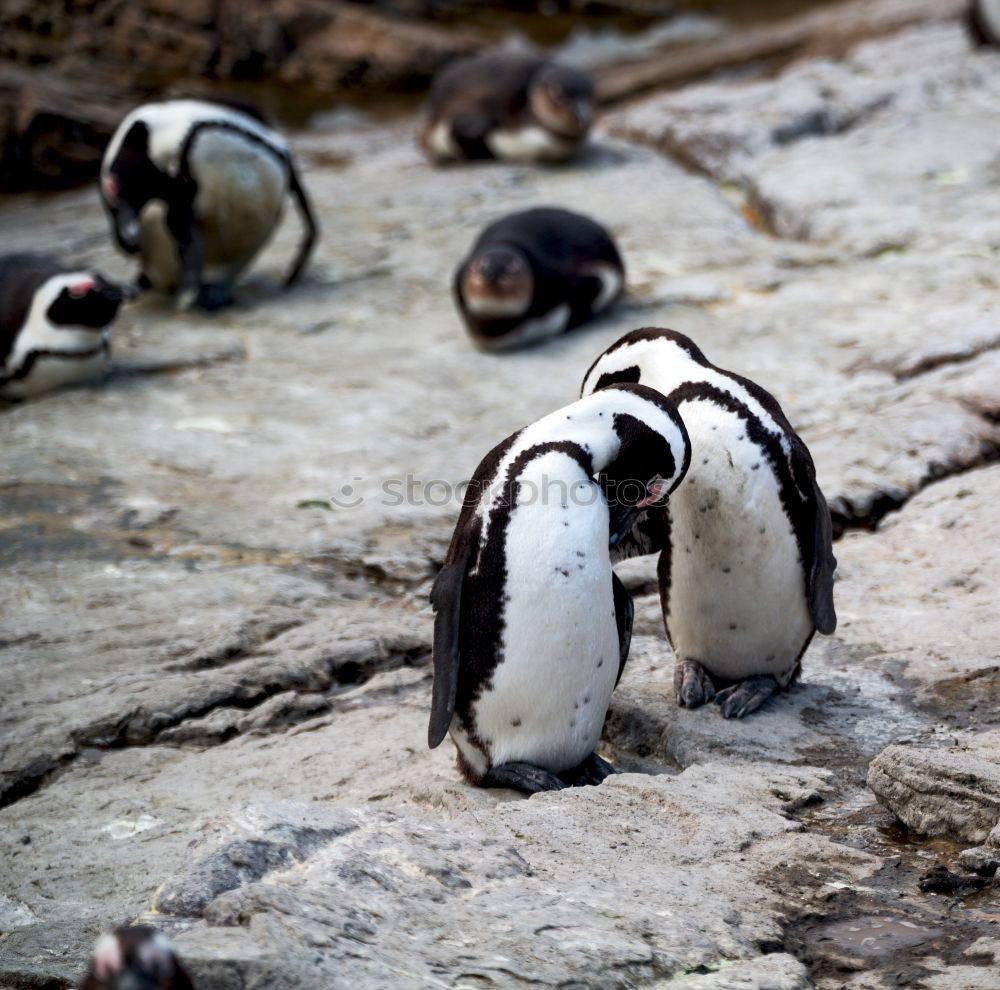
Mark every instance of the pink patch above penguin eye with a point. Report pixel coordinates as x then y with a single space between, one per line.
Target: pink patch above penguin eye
80 289
110 186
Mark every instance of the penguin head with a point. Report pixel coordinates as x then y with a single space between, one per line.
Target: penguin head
562 99
497 283
638 355
129 180
135 957
85 299
652 455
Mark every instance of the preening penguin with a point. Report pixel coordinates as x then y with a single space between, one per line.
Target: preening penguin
984 22
136 957
746 564
507 105
53 324
197 188
532 627
535 274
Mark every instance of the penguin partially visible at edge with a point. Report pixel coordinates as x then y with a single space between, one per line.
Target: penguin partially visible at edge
535 274
135 957
53 324
532 626
197 188
983 19
512 106
746 564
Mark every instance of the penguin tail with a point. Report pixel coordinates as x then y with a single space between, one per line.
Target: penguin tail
309 224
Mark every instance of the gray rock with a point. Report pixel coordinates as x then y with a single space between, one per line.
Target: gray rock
773 972
953 793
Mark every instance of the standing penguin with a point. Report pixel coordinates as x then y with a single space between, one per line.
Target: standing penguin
197 189
746 568
53 324
534 275
506 105
532 627
135 957
984 22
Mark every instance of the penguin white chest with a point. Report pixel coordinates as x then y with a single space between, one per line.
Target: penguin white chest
550 691
737 599
529 143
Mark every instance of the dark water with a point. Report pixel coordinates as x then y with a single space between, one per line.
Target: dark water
590 41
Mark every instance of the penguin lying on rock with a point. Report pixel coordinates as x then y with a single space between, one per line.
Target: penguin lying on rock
746 558
136 957
512 106
53 324
535 274
197 189
984 22
532 627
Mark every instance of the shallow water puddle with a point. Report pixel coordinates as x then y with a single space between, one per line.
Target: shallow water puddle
875 935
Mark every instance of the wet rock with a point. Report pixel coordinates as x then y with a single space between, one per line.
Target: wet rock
952 793
940 880
52 131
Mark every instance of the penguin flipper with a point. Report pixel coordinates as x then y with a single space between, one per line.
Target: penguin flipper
822 566
446 597
624 613
309 224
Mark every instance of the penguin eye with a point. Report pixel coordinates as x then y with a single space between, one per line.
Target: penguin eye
80 289
109 183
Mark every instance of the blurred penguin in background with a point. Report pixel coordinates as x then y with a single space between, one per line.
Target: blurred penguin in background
135 957
511 106
196 189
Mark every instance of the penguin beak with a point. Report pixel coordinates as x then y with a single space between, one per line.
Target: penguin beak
657 491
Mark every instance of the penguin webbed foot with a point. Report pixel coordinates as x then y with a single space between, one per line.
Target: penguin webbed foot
591 772
692 684
746 696
212 298
523 777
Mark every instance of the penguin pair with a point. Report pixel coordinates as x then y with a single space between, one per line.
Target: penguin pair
532 627
135 957
510 106
54 324
534 275
522 639
197 188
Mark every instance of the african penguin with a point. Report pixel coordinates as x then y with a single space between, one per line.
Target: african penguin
512 106
535 274
197 188
746 564
136 957
53 324
532 627
984 22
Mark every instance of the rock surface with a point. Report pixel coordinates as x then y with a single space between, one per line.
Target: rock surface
954 793
215 659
